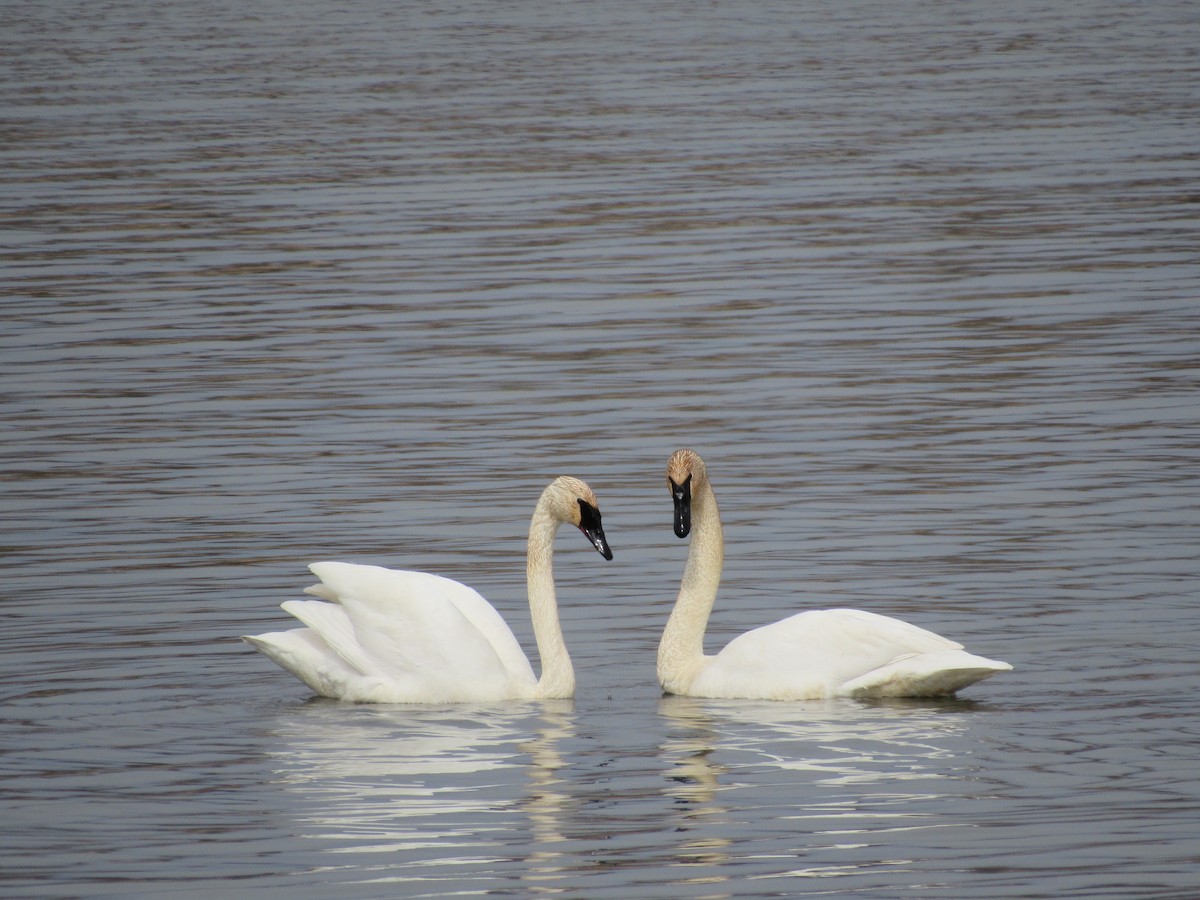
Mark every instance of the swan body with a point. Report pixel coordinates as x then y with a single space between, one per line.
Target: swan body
380 635
808 656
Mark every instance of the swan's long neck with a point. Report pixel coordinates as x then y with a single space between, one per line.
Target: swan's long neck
681 650
558 676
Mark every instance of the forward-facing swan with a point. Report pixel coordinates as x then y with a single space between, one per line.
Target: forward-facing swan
811 655
389 636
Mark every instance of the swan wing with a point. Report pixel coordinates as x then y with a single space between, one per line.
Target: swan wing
834 652
330 623
429 637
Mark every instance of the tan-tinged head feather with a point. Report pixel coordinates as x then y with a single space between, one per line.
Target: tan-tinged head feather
684 463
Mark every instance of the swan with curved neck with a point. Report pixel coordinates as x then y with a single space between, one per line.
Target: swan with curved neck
811 655
388 636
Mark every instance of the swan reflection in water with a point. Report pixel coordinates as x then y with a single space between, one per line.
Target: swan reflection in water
419 786
474 796
839 774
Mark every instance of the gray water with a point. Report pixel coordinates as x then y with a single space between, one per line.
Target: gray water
295 281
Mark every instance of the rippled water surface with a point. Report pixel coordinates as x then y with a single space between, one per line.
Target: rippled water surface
295 281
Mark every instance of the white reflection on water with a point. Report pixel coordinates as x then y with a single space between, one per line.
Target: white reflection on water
416 786
549 802
475 796
844 772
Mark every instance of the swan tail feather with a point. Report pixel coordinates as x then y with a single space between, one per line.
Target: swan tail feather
938 674
321 591
303 653
331 625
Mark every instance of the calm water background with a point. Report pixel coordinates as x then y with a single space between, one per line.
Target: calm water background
294 281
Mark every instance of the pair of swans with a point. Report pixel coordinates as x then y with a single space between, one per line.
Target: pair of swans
385 636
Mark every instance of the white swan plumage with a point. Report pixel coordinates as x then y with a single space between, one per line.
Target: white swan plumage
811 655
381 635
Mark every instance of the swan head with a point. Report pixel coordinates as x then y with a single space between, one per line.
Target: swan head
685 470
572 501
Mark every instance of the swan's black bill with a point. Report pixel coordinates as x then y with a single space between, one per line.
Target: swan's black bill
589 524
681 494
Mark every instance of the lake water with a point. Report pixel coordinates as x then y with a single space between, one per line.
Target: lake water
297 281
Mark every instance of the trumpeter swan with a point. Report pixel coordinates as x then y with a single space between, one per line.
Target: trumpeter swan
386 636
811 655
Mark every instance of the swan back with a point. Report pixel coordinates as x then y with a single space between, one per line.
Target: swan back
840 653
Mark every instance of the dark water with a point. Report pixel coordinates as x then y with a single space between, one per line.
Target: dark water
286 282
